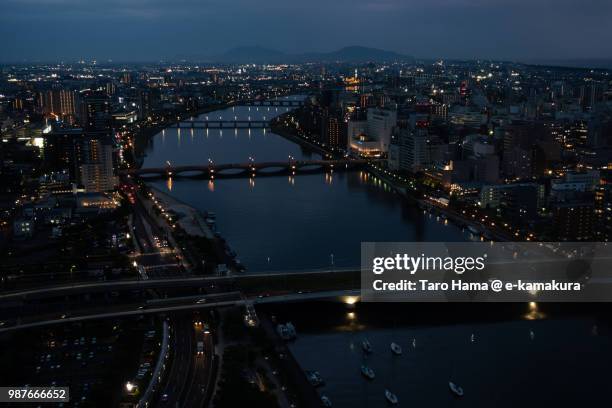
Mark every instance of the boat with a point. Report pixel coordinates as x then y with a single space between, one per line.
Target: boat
413 343
286 331
367 372
366 346
391 397
291 329
396 349
326 401
457 390
314 378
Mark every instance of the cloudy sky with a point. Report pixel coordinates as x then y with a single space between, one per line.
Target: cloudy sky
138 30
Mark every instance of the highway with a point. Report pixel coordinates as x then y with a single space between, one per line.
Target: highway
202 369
126 311
154 283
183 354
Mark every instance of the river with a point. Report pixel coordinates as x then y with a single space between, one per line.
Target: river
288 223
501 355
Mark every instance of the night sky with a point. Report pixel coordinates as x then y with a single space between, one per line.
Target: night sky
150 30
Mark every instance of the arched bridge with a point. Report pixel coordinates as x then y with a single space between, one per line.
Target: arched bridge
275 102
248 169
224 124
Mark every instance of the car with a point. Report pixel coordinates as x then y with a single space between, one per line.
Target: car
164 398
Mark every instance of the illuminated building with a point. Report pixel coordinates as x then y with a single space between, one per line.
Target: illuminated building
574 220
95 112
412 149
58 103
96 171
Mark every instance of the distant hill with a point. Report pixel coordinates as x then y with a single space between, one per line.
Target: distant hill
259 55
358 54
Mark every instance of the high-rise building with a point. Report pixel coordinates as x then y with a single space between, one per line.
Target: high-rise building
333 129
96 170
96 112
58 103
380 125
148 99
600 128
61 151
574 220
412 149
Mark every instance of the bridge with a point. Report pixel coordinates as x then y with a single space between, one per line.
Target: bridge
273 102
249 281
248 169
174 305
115 299
223 124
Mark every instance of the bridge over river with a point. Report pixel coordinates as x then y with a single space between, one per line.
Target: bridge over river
249 169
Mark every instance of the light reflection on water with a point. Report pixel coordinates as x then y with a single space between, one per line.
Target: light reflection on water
548 362
296 222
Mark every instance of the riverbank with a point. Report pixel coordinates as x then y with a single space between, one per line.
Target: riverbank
401 187
189 218
192 233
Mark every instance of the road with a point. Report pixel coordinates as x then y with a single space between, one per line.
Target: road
124 311
153 283
202 370
183 354
185 385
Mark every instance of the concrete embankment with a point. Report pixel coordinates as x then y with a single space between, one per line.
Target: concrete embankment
290 367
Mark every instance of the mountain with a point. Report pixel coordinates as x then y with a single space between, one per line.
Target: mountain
359 54
261 55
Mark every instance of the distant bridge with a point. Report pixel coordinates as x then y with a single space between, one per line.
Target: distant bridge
223 124
275 102
248 169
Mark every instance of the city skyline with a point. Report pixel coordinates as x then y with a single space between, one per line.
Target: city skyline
152 30
224 203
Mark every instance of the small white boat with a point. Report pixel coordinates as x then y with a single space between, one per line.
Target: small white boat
366 346
473 338
396 349
413 343
314 377
367 372
326 401
457 390
391 397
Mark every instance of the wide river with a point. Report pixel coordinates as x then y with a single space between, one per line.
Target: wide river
502 355
280 223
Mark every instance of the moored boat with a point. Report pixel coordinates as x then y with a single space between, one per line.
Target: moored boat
366 346
391 397
367 372
455 389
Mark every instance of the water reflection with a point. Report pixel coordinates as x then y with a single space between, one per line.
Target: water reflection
298 221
